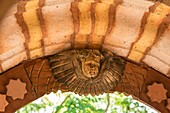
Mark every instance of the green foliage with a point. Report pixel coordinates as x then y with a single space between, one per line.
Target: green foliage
72 103
126 104
80 105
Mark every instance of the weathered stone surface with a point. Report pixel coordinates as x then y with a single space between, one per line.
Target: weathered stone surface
57 23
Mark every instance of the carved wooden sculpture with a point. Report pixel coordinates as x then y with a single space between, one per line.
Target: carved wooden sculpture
103 30
87 71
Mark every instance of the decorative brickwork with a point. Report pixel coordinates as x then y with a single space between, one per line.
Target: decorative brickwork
157 92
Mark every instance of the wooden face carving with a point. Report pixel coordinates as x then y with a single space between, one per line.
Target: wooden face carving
87 71
90 62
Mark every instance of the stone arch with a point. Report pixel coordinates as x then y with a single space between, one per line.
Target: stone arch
32 30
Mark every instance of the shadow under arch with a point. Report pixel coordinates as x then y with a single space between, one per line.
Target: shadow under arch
140 82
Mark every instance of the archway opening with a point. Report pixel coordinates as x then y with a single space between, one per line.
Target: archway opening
69 102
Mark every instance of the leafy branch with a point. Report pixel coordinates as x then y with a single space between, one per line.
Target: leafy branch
108 103
67 97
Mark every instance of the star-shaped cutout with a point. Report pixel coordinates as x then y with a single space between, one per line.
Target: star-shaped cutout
168 105
16 89
157 92
3 103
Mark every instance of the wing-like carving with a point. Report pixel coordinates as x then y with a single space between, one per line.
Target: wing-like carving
87 71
